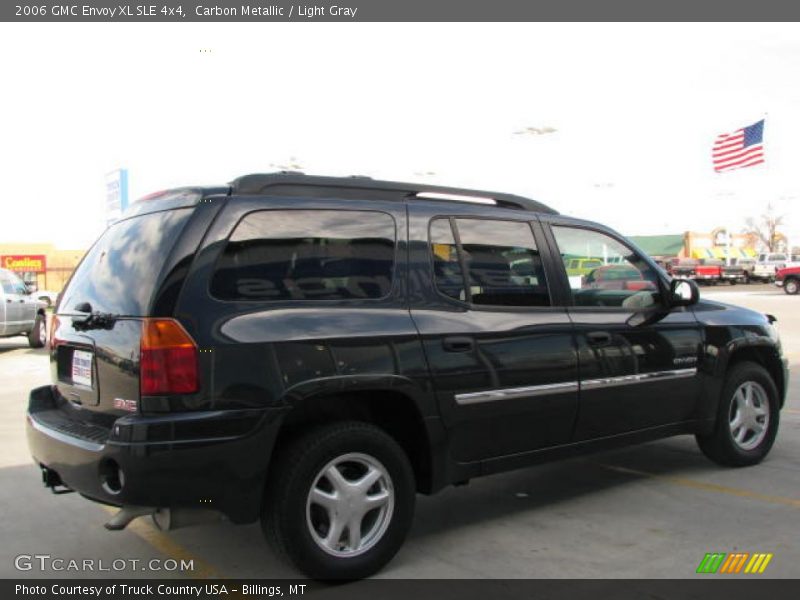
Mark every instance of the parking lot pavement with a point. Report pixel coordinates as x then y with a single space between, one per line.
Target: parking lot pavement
646 511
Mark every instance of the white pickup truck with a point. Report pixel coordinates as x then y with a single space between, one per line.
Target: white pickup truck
767 264
20 312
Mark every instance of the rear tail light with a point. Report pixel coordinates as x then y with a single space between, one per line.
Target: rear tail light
168 359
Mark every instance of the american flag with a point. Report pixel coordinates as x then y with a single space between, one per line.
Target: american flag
738 149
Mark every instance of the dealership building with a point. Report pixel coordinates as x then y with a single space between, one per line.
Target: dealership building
692 244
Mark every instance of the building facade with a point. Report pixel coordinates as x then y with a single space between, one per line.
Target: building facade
43 264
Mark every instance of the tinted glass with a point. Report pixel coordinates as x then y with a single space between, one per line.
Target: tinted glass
504 265
119 273
446 267
307 255
611 274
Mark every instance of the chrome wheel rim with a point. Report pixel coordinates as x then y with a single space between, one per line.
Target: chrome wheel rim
791 287
350 505
749 415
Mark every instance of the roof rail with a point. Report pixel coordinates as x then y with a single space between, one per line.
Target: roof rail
287 183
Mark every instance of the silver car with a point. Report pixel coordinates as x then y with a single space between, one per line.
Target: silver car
20 312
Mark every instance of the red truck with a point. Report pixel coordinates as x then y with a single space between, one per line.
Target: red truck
708 271
789 279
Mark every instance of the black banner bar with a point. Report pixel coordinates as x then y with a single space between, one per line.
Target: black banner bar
705 588
398 10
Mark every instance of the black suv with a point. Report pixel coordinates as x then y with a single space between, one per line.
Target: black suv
314 351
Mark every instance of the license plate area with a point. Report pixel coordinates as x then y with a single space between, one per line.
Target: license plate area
77 374
82 368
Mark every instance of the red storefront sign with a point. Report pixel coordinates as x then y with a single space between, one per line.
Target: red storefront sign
24 263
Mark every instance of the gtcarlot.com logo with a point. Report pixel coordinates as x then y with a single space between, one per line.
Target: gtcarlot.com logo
735 562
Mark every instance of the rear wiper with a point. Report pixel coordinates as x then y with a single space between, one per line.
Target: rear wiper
92 320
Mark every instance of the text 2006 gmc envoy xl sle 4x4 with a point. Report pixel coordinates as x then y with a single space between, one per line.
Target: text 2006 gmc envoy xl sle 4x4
314 351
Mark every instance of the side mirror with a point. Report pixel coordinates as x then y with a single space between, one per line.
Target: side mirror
683 292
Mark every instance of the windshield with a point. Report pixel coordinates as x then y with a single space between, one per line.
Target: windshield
118 275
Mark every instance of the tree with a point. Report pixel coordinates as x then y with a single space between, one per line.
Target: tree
765 228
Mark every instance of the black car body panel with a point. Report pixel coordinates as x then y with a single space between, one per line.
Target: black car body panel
466 388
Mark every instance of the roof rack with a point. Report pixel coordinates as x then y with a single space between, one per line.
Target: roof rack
293 183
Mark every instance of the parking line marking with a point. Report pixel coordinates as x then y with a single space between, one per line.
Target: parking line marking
169 547
708 487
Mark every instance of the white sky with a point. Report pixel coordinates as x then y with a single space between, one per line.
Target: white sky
636 106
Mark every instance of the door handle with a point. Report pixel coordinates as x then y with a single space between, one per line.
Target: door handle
458 344
599 338
8 300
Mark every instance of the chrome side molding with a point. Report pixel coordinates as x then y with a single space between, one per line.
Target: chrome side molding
571 386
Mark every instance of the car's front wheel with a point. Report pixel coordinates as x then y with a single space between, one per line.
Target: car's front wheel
791 286
340 501
747 419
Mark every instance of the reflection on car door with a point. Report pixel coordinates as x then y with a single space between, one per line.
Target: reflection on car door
502 357
636 371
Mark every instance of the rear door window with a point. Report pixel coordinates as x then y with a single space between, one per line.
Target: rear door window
119 273
307 255
503 264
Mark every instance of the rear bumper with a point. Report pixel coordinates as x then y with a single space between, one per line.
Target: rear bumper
211 460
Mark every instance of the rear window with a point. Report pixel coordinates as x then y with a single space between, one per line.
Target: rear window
307 255
118 275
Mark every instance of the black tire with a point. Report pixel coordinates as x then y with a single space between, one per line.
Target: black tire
286 517
37 337
791 286
720 446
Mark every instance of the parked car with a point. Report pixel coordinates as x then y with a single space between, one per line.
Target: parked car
683 267
768 264
617 277
789 279
582 266
20 313
708 271
747 265
313 352
732 273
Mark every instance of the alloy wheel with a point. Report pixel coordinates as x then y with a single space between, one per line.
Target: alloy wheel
350 505
749 415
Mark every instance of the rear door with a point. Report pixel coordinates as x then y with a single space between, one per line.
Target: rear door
638 360
499 348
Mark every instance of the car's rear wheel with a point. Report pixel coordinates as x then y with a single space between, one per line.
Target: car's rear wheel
747 419
340 501
791 286
37 337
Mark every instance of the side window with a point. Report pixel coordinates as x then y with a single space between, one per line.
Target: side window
13 285
609 273
307 255
503 264
447 274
